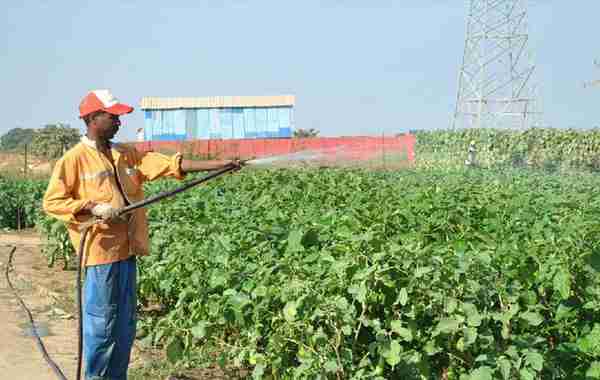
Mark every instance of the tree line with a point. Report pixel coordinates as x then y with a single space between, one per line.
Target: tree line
51 141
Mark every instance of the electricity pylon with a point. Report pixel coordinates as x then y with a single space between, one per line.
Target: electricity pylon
496 88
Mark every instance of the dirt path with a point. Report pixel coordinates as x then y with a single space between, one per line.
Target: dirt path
19 355
49 294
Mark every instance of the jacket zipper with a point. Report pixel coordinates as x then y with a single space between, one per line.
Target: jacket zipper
113 164
118 179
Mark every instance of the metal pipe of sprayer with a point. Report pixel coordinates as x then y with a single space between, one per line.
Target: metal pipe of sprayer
167 194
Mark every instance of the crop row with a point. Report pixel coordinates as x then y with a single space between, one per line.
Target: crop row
350 274
538 148
19 202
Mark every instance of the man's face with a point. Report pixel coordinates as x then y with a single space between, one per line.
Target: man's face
106 125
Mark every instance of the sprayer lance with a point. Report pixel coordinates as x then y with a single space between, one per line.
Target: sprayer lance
167 194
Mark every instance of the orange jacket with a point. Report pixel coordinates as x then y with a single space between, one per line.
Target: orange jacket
84 174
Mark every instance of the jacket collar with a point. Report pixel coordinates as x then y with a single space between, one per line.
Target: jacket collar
91 143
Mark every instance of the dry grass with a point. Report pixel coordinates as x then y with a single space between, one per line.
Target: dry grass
13 165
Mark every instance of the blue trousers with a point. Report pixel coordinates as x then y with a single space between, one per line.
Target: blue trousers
109 319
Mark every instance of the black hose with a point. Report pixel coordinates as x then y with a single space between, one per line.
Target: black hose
79 303
155 198
38 340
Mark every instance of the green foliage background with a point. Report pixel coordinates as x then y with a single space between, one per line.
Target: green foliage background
16 138
351 274
553 149
20 199
306 133
480 273
53 140
48 142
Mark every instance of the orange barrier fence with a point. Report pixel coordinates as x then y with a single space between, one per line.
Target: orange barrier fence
358 148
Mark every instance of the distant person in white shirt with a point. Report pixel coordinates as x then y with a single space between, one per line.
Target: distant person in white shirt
471 154
140 134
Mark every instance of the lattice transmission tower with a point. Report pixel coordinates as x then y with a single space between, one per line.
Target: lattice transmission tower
496 86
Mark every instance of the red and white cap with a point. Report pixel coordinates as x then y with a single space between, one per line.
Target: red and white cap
102 100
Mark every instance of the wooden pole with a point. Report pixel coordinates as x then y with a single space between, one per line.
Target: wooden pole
25 164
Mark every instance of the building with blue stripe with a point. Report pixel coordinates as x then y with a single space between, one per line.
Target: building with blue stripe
220 117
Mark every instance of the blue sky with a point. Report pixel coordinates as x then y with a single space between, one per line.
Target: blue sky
356 67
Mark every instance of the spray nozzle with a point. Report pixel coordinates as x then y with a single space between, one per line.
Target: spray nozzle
238 164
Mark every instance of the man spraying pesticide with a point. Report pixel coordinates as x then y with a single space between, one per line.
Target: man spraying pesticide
96 188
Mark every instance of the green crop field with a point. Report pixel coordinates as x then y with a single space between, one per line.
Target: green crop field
20 202
429 273
351 274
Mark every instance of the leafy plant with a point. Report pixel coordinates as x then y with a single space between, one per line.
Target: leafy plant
54 140
16 138
20 202
350 274
20 207
550 149
58 244
305 133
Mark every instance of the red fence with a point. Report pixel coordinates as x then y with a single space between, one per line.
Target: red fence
338 149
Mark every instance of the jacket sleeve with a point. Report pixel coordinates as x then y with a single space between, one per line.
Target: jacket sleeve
153 165
59 201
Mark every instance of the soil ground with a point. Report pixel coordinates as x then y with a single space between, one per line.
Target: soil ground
15 163
19 355
49 293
